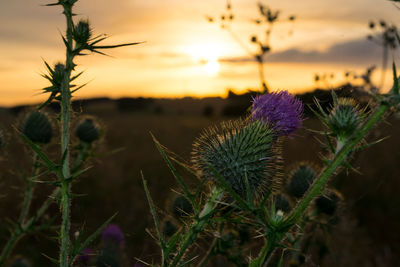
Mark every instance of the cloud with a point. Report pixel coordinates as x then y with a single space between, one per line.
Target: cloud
354 52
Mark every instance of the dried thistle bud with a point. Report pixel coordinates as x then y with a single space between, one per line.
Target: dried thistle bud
169 228
281 203
281 109
181 207
37 127
88 130
58 75
328 203
82 33
344 118
371 25
300 179
238 150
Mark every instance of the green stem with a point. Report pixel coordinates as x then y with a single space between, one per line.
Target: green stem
20 229
201 221
65 120
30 187
319 184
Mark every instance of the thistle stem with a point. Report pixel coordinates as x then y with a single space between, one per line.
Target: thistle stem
199 224
319 184
65 120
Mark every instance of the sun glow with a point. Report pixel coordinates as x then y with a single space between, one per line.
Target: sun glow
206 55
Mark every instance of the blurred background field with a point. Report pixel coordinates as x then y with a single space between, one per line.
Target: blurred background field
366 235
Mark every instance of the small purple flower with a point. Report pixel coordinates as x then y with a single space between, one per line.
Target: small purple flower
112 233
85 255
281 109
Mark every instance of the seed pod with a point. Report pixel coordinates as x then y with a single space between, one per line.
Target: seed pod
236 150
345 118
328 203
169 228
300 179
281 203
37 127
82 33
88 130
181 207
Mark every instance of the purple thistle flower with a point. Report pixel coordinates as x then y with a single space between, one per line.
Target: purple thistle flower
281 109
112 233
85 255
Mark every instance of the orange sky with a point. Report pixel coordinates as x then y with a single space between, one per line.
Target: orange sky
183 54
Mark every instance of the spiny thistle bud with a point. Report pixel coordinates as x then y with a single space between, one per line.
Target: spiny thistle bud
113 234
328 203
281 109
181 207
345 118
169 228
37 127
300 179
82 32
281 203
236 150
59 72
88 130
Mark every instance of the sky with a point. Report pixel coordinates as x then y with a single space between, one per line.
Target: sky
182 54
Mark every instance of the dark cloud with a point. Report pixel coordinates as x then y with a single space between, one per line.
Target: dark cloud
354 52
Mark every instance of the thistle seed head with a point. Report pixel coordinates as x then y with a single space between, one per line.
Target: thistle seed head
82 33
328 203
281 109
345 118
181 207
300 179
88 130
37 127
281 203
169 228
236 150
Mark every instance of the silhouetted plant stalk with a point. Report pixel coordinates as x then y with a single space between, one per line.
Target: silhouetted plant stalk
269 18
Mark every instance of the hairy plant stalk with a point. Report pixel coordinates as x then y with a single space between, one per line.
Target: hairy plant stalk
199 224
22 228
319 184
65 136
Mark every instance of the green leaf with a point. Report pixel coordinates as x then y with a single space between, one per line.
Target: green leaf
153 212
50 164
182 184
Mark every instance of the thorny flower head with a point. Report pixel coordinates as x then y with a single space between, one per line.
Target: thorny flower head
238 150
112 233
281 109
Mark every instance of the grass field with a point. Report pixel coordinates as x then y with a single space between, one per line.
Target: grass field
367 234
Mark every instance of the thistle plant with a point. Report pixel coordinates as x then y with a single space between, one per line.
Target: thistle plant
78 40
239 168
